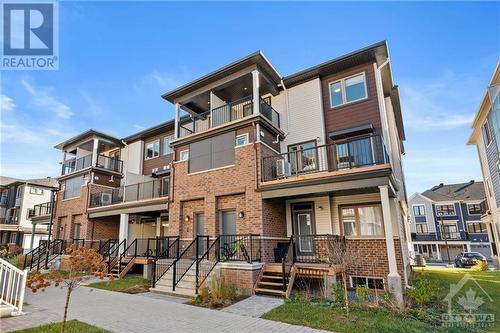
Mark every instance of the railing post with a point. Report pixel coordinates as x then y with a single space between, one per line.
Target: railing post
147 249
174 275
251 248
197 262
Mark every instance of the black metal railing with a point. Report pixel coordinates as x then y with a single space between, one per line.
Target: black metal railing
109 163
207 262
452 235
271 114
314 248
113 255
424 236
142 191
349 154
40 210
188 258
245 247
76 164
287 263
162 262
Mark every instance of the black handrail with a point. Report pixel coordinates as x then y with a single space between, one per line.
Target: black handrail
125 254
180 270
162 255
201 272
115 253
287 262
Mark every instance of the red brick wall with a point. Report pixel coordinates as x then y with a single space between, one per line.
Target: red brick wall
243 279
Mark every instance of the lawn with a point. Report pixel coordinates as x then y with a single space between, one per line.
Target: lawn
72 326
362 320
129 284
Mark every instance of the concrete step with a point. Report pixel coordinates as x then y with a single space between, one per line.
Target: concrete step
178 291
5 311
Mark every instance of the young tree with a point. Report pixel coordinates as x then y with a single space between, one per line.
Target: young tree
83 264
340 254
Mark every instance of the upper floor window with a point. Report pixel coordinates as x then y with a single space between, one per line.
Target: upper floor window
36 190
153 149
166 145
212 153
73 187
362 220
348 90
487 133
445 210
242 139
476 227
422 228
419 210
19 192
184 155
474 209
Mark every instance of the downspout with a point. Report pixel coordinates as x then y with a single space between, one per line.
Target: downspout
256 155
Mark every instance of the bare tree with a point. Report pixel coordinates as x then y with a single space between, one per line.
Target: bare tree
83 264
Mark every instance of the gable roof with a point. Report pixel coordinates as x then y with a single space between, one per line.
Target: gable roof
4 181
456 192
89 133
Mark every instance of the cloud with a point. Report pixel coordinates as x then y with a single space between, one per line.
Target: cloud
6 103
42 98
94 107
164 81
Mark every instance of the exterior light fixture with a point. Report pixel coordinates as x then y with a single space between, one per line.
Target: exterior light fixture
241 214
186 219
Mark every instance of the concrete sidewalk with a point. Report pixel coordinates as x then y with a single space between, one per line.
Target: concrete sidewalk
119 312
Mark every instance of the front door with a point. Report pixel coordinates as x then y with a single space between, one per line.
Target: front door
303 228
199 220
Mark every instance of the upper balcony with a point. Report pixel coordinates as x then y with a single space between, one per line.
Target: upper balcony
304 163
42 210
91 149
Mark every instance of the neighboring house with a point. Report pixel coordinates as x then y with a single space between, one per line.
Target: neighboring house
257 156
19 198
486 136
447 219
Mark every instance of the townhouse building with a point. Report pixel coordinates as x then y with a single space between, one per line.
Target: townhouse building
486 137
18 202
254 176
446 220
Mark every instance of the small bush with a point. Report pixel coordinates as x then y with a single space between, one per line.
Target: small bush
363 293
480 266
423 292
17 260
219 294
338 292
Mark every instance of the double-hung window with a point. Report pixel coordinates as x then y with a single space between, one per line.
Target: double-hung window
422 228
153 149
419 210
166 145
363 220
348 90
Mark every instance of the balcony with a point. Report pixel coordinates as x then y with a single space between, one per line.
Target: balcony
229 112
157 188
40 210
436 236
102 162
349 154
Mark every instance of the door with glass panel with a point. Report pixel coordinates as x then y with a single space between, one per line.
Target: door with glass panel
199 228
303 219
303 157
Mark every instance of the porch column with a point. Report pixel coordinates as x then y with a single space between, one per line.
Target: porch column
468 247
158 226
177 117
123 233
32 236
95 147
438 252
393 279
255 91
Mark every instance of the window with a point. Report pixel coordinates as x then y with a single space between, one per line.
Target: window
372 283
362 221
184 155
348 90
445 210
73 187
212 153
476 227
487 133
19 192
474 209
166 145
242 139
422 228
419 210
36 190
153 149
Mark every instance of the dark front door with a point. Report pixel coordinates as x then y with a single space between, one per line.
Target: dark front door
303 225
199 221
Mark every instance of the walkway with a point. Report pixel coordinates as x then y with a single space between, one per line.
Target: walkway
119 312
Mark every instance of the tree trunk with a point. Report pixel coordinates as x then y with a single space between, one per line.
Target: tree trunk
68 294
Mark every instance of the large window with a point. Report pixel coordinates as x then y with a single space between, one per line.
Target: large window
422 228
73 187
212 153
419 210
166 145
476 227
153 149
348 90
474 209
362 220
445 210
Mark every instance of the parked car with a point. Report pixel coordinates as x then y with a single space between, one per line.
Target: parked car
468 259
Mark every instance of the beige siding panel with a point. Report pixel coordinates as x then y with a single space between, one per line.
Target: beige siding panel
337 201
322 214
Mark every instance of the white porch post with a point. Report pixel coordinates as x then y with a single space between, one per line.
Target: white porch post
177 117
438 252
123 233
32 236
255 91
393 279
95 148
468 247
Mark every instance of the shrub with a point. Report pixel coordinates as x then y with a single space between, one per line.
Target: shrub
17 260
338 292
423 292
362 293
217 295
480 266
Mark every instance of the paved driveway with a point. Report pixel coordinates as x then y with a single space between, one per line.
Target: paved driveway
120 312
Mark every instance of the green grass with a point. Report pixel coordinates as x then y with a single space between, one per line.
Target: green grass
129 284
381 320
72 326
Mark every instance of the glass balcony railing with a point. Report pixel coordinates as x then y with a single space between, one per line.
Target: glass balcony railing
103 162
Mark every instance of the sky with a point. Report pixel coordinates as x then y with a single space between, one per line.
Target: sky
117 58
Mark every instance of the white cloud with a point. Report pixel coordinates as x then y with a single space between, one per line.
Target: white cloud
94 107
42 98
6 103
163 81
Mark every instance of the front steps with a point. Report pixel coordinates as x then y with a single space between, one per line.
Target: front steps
270 281
120 269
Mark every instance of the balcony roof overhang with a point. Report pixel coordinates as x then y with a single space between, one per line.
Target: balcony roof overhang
152 131
254 60
87 135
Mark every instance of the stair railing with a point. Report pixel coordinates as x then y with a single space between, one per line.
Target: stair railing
170 251
12 286
287 263
186 260
207 262
114 254
129 252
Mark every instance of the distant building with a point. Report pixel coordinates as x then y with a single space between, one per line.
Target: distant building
19 200
449 214
486 137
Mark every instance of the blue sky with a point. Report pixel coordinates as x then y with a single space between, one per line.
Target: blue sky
117 58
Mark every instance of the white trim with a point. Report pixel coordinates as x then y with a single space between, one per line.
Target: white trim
268 146
182 152
446 204
472 203
244 135
342 82
146 149
413 211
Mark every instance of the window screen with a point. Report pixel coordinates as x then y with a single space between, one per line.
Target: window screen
212 153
